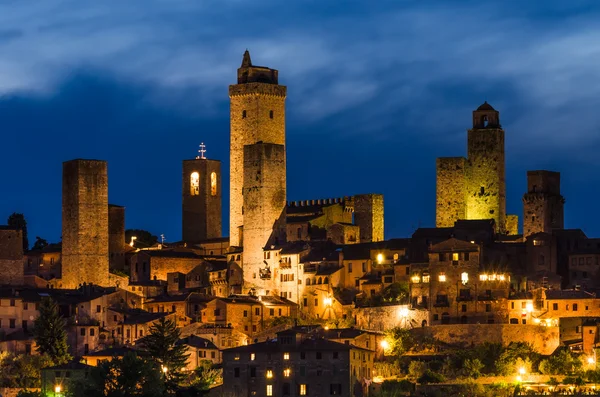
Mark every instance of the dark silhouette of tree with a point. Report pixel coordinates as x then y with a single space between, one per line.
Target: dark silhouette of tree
18 222
39 244
171 357
49 333
144 238
128 376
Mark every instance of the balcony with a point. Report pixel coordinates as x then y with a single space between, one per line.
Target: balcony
485 297
464 298
264 274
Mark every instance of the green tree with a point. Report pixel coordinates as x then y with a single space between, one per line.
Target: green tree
399 341
416 369
39 244
516 355
472 368
18 221
161 344
49 332
562 362
121 377
205 376
143 238
431 377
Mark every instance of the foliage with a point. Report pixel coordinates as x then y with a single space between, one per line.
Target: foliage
592 376
39 244
395 388
49 332
386 369
161 344
121 377
431 377
472 368
515 356
399 340
416 369
340 322
22 370
396 293
205 376
144 238
30 393
562 362
553 381
18 222
573 380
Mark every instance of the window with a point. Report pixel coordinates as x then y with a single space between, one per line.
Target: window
272 312
287 372
464 308
442 277
319 355
316 302
257 311
523 305
303 390
466 256
213 183
335 389
425 278
349 267
236 372
217 312
269 390
488 307
82 331
245 313
270 113
12 323
336 354
364 267
243 114
93 332
237 356
302 356
252 356
574 307
286 356
455 256
269 373
98 308
464 277
194 184
253 372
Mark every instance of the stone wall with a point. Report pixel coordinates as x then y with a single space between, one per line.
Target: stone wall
257 114
85 223
543 205
386 317
544 339
512 224
368 216
12 264
264 207
450 190
201 209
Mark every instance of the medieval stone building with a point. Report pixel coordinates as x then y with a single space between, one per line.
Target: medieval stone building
542 204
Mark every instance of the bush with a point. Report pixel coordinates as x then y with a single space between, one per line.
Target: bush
472 368
430 377
416 369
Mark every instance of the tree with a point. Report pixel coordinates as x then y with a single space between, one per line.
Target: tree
161 344
205 376
399 340
121 377
416 369
472 368
49 333
143 238
39 244
18 222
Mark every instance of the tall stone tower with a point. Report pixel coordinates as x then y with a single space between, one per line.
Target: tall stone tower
201 216
84 223
486 189
474 187
12 264
368 216
543 205
257 114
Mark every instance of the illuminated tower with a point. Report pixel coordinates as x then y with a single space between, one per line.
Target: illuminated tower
201 198
485 187
542 204
84 223
257 131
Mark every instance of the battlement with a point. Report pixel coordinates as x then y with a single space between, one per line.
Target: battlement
323 202
255 89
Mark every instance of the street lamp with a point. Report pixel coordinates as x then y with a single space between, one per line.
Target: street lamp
57 389
164 369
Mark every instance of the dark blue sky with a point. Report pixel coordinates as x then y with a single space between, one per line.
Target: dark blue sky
375 94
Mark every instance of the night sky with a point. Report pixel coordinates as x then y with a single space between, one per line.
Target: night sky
376 91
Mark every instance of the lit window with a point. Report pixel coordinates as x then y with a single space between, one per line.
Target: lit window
483 277
237 357
455 256
269 373
492 277
269 390
380 258
442 278
252 356
464 277
426 278
501 277
287 372
415 279
286 356
529 307
213 184
303 390
194 184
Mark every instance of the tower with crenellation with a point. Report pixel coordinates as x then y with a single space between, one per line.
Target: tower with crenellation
257 167
474 187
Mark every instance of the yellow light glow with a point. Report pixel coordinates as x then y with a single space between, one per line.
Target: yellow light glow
455 256
326 328
591 360
327 301
483 277
426 278
501 277
164 369
492 277
384 344
133 238
403 312
287 372
252 356
380 258
57 389
415 279
522 371
464 277
519 378
269 374
529 307
286 356
442 278
378 379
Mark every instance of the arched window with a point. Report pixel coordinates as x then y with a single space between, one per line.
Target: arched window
213 184
326 281
319 281
194 184
308 281
484 121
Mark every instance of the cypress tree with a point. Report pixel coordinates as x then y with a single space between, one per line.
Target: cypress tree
161 344
49 333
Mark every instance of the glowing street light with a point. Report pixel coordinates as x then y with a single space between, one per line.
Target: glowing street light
403 312
164 369
522 371
591 360
133 238
57 389
385 344
327 301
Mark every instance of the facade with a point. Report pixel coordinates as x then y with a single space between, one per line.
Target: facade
542 204
296 364
201 200
474 187
85 223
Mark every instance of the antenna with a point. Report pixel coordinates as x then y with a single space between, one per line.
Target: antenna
201 151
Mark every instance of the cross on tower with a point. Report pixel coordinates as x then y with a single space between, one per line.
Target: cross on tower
201 151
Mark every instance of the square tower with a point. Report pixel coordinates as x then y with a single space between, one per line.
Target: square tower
84 223
201 200
450 190
257 114
543 205
368 216
12 264
485 187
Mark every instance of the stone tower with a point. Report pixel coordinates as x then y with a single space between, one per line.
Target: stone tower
264 210
474 187
12 264
486 189
201 209
543 204
257 114
368 216
84 223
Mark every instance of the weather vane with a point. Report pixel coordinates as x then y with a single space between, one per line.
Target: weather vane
201 151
